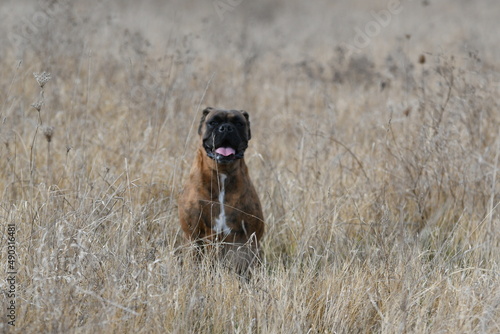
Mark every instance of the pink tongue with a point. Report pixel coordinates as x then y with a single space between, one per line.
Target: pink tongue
225 151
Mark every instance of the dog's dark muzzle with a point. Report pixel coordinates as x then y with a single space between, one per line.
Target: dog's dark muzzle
225 145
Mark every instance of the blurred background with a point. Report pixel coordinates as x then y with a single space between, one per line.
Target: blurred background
292 28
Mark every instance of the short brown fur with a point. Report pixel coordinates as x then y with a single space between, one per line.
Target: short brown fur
199 204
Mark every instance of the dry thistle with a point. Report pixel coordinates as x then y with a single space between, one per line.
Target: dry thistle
42 78
48 132
38 105
421 59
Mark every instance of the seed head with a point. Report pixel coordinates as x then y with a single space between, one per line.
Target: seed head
37 105
48 132
42 78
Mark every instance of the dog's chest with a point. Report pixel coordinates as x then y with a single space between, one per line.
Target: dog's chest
227 206
221 223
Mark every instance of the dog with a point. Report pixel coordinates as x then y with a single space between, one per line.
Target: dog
219 204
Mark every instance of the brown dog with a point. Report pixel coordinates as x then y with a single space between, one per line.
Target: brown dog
219 202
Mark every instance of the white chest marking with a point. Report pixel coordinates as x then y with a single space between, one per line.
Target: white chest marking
220 222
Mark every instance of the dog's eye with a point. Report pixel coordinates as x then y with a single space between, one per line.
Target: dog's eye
240 124
213 123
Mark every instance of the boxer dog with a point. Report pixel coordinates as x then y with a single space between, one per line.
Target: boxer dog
219 204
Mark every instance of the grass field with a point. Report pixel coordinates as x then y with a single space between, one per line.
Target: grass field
375 151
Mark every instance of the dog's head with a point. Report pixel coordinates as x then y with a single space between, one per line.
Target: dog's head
225 134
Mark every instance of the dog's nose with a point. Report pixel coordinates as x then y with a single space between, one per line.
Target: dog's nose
225 128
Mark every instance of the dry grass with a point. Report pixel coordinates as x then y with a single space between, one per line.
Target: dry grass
378 174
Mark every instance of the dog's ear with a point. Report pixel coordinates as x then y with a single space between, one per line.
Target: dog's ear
203 117
247 117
